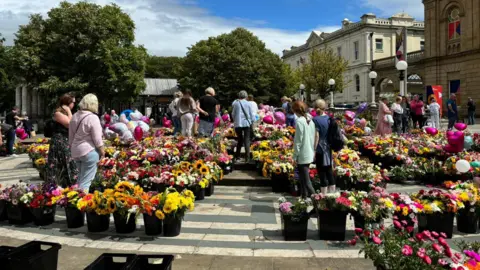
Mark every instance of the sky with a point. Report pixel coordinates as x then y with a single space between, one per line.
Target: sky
169 27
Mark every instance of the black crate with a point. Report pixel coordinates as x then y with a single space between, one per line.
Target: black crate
35 255
112 261
152 262
4 251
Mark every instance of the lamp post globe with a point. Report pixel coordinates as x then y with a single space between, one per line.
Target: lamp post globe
302 91
372 75
402 65
331 82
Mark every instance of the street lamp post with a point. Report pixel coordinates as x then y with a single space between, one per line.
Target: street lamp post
373 76
302 92
402 66
331 82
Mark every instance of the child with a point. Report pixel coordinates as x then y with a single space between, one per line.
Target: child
434 109
226 117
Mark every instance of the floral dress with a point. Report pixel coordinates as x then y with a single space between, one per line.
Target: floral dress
383 127
61 168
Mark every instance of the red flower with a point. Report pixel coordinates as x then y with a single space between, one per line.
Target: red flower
358 230
366 233
448 252
377 240
376 232
437 247
410 229
427 260
419 236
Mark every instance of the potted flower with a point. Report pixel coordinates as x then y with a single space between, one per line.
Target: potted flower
467 217
333 209
294 219
153 215
372 207
17 211
40 201
174 206
68 199
439 208
98 209
3 204
406 210
125 196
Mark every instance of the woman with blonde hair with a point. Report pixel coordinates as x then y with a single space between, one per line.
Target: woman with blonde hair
187 107
61 169
85 139
304 147
323 157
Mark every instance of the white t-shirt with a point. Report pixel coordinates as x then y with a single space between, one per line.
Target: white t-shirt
254 107
397 108
434 108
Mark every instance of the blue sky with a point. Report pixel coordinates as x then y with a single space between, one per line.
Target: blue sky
169 27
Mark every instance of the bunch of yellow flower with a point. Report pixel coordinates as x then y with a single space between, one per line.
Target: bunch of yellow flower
176 204
97 202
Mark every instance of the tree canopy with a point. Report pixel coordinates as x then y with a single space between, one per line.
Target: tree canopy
163 67
322 65
81 47
7 93
233 62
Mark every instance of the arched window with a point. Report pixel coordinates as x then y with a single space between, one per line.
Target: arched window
454 27
357 83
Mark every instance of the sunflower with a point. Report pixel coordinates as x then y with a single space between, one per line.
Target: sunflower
278 170
177 173
159 214
111 205
204 170
198 164
168 208
188 193
122 186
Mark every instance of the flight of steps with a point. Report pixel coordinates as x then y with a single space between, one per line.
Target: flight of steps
244 174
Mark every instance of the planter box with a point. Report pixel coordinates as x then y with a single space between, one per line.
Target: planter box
172 226
360 221
210 189
332 225
75 217
295 230
199 193
153 225
343 182
44 216
3 211
363 186
97 223
280 183
467 221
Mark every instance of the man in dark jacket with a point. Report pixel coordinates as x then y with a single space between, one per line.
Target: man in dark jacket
471 111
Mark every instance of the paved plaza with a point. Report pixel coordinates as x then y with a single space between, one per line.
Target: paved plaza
237 221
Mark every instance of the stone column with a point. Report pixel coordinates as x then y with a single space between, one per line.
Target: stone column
18 96
24 99
34 104
40 105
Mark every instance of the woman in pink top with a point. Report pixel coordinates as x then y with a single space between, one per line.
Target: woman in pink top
417 111
85 139
383 127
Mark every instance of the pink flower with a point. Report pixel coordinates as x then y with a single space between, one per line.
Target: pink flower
410 229
448 252
442 262
358 230
458 256
407 250
419 237
427 260
377 240
442 242
435 234
397 224
376 232
352 242
437 247
420 254
443 235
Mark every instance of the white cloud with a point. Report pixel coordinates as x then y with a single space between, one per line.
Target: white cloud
388 8
164 27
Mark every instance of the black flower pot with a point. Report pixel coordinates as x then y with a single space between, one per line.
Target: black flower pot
124 224
422 223
172 226
343 182
294 189
157 187
295 229
3 210
75 217
332 225
441 223
280 183
363 186
467 221
44 215
210 189
361 222
199 194
153 225
18 214
97 223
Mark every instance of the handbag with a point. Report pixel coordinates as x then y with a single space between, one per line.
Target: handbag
389 119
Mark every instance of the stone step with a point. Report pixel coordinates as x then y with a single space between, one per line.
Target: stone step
242 166
245 178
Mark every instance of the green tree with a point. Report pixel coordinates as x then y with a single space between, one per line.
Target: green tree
163 67
7 92
322 65
81 47
233 62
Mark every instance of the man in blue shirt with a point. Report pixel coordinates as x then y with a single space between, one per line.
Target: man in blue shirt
452 111
243 119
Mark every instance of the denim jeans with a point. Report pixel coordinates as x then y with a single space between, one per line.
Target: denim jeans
471 118
177 125
205 129
290 120
87 169
10 141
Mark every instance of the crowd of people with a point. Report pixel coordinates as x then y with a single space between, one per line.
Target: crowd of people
403 114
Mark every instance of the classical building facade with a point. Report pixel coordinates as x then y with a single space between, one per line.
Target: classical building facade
354 42
452 47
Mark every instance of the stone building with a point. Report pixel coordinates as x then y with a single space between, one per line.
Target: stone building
354 42
452 47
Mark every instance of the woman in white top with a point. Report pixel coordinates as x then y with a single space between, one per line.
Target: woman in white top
434 109
397 110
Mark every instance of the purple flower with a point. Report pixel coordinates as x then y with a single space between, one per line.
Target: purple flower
286 207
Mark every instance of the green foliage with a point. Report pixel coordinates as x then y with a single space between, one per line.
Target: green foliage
322 65
81 47
7 91
233 62
163 67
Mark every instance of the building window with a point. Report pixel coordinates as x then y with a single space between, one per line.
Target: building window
379 44
454 28
339 51
422 45
356 50
357 83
